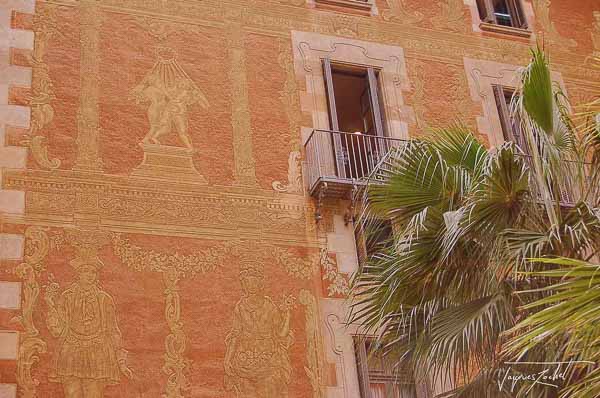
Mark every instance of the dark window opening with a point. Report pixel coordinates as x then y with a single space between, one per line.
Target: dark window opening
379 379
353 102
380 238
502 12
373 239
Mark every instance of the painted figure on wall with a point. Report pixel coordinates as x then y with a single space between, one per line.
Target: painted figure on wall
257 363
169 92
89 356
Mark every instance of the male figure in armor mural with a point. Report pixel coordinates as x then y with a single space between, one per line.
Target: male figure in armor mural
89 356
257 363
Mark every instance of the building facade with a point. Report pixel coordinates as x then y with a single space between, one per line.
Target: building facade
176 178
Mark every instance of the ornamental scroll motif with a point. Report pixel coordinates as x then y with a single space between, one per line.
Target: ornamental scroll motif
42 89
542 15
398 12
173 267
345 25
297 267
418 94
139 259
314 367
31 344
338 285
291 101
451 16
175 343
294 184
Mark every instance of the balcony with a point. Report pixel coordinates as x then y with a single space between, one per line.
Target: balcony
566 189
338 162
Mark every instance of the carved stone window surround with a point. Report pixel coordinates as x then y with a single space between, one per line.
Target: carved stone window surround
339 337
482 76
309 51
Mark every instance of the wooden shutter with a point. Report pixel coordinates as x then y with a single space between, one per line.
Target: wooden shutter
518 16
362 366
511 126
374 96
361 244
486 11
503 113
333 119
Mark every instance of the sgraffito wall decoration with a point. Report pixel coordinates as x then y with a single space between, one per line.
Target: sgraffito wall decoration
153 208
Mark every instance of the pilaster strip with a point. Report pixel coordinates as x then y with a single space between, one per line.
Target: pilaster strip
88 129
245 171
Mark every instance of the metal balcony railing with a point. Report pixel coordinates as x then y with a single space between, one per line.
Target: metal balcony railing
567 190
338 161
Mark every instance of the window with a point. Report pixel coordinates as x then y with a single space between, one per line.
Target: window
377 379
369 243
355 5
512 131
355 117
511 124
502 12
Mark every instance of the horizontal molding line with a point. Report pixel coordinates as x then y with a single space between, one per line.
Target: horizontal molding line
246 233
368 25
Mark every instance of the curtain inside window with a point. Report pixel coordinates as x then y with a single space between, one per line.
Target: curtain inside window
379 390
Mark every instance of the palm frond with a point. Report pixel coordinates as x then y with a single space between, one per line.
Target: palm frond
538 98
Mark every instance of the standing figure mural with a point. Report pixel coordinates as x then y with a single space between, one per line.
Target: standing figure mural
257 363
169 91
89 356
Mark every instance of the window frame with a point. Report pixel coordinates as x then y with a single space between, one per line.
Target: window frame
518 138
489 21
375 101
373 85
504 115
365 6
366 376
515 7
363 251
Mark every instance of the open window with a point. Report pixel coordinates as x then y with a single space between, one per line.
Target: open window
377 378
356 118
512 131
370 242
504 13
510 122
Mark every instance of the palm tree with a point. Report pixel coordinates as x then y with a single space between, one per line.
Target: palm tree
442 292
